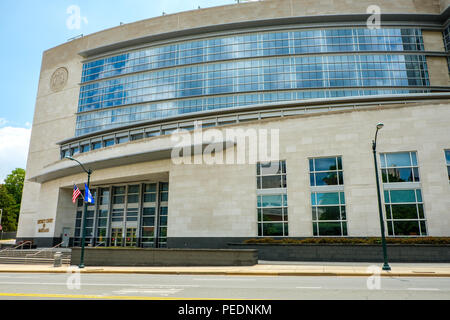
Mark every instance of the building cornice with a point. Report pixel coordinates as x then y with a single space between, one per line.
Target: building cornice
425 21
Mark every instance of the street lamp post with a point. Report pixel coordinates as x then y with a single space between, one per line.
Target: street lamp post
83 228
383 237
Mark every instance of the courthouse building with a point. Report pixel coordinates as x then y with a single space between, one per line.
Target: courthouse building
313 70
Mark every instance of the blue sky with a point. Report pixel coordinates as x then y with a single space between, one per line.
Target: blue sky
29 27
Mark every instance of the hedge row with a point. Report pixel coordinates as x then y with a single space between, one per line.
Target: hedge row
424 240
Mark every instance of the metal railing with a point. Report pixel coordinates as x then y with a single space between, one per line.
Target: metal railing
46 255
17 247
43 250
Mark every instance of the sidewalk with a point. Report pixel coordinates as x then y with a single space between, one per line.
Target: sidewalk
351 270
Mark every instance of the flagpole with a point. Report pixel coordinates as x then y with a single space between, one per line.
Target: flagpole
83 233
83 227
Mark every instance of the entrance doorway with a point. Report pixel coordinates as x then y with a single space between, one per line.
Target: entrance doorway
116 237
128 215
130 240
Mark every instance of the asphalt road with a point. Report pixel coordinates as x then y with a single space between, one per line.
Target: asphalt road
166 287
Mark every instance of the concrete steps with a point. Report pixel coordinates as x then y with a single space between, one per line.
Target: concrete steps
35 256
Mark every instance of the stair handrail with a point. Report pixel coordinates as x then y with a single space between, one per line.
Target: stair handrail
43 250
16 247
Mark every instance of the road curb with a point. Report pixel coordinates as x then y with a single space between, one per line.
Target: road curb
243 273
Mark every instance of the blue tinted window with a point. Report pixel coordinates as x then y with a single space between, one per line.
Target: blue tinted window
327 198
398 159
387 199
419 195
230 76
270 201
399 196
122 140
85 148
325 164
96 145
109 143
74 151
326 171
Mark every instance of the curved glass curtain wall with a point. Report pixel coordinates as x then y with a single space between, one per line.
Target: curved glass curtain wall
255 45
242 81
117 117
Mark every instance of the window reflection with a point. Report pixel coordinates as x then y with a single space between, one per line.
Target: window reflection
216 67
256 44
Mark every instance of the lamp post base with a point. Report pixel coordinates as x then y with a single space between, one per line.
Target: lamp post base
386 267
81 266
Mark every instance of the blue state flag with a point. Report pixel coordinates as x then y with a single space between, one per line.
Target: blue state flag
87 195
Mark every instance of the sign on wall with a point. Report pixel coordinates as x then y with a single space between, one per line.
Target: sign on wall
44 228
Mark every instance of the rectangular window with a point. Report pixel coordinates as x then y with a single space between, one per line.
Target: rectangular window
118 195
133 194
271 175
328 206
399 167
326 171
122 139
108 143
150 192
138 136
132 214
164 191
74 151
89 225
104 196
85 148
447 160
65 153
405 215
102 224
153 134
328 214
162 240
78 221
96 145
272 206
148 227
117 215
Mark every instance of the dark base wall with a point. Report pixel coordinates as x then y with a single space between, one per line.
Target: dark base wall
349 253
172 243
304 252
204 242
41 242
164 257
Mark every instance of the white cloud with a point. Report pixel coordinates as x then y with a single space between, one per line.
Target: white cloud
3 121
14 143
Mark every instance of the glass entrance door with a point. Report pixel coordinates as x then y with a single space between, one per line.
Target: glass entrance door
116 237
130 240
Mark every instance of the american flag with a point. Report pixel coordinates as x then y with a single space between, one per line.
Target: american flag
76 193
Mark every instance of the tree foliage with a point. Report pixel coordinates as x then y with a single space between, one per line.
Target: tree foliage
10 199
8 204
14 184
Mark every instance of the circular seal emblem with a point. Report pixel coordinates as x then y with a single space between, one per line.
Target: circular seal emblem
59 79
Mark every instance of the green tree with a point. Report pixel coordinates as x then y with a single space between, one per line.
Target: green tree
10 199
10 210
14 184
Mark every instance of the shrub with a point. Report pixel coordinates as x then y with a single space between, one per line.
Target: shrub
371 240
